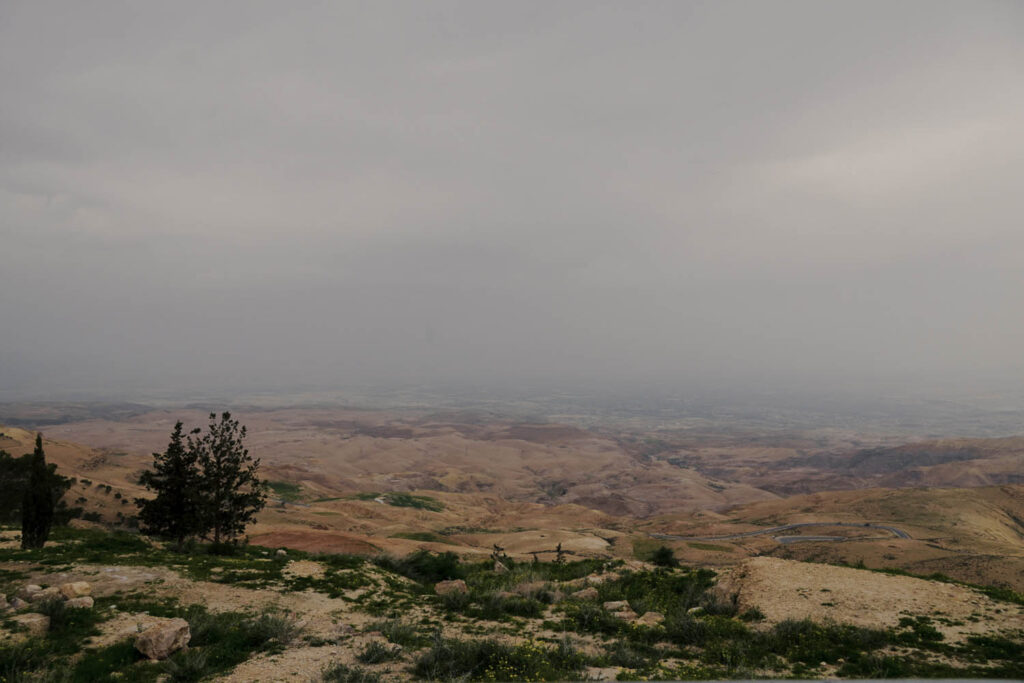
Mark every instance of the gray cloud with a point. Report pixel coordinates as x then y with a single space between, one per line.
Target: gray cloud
272 194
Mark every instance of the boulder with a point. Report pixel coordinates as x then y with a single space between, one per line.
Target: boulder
598 579
45 594
650 619
281 552
18 603
449 587
531 589
25 591
37 624
586 594
76 589
163 638
616 605
626 614
84 602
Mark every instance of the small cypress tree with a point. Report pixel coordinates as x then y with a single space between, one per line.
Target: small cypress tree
232 492
39 501
175 512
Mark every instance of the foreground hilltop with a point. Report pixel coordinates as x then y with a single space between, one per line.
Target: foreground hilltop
265 614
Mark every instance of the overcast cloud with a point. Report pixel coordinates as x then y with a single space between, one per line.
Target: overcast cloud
203 195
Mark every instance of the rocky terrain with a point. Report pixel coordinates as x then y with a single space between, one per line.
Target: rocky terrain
371 509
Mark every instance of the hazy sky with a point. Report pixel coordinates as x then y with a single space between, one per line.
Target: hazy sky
198 195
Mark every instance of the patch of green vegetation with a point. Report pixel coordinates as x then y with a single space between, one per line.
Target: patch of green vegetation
247 566
487 659
424 566
376 652
459 530
286 490
343 673
400 633
426 536
220 641
697 545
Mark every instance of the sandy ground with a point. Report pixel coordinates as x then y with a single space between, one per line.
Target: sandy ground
784 589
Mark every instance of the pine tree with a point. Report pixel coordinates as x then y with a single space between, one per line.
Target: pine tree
232 492
175 511
39 501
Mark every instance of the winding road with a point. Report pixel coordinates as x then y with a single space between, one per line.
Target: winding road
897 532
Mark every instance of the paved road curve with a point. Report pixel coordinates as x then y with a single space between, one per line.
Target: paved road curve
898 533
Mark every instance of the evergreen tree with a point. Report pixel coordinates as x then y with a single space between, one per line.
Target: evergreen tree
175 511
231 491
39 501
12 476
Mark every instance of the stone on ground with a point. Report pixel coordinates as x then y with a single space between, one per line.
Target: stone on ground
650 619
84 602
163 639
37 624
76 589
449 587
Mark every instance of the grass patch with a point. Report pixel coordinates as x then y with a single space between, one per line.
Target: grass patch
697 545
343 673
400 633
286 490
425 536
454 659
377 652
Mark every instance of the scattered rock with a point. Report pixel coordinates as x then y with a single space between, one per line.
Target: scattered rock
217 570
76 589
45 594
616 605
18 603
449 587
695 611
26 591
499 568
281 552
530 589
598 579
37 624
84 602
650 619
163 639
626 615
586 594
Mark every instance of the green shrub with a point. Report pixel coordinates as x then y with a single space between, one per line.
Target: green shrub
186 666
400 633
450 659
752 614
376 652
811 643
342 673
586 617
664 557
423 566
